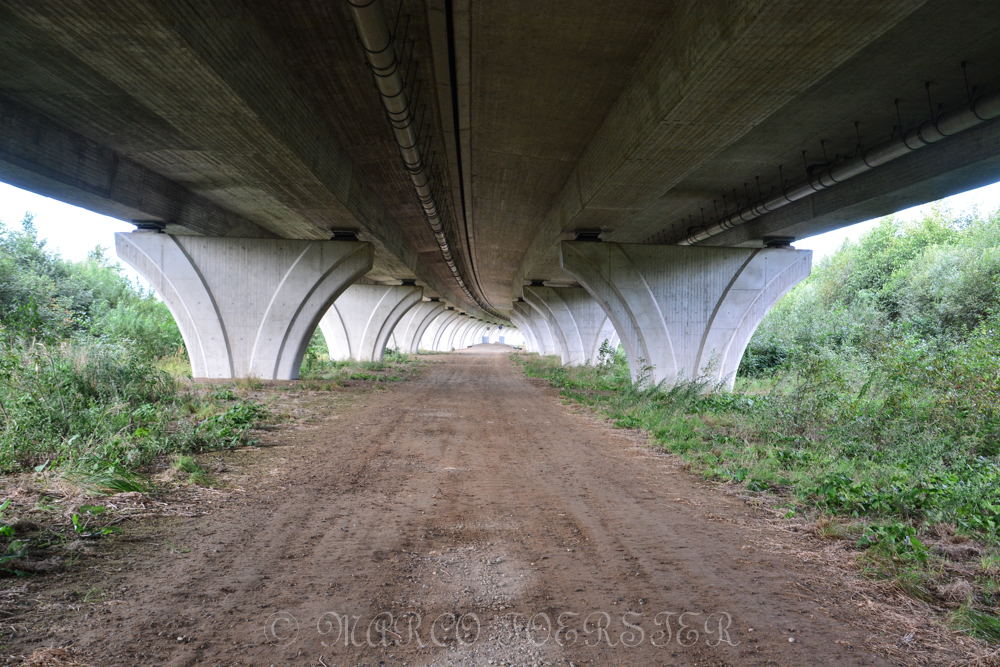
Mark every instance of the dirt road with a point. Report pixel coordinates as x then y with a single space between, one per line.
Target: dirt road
476 492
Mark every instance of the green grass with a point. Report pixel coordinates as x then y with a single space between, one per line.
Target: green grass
394 366
100 410
979 624
189 466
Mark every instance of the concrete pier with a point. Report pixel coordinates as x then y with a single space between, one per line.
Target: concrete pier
684 312
245 307
358 324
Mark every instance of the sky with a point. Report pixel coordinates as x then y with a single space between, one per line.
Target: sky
73 231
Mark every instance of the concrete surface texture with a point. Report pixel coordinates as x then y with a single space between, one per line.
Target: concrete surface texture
569 353
578 319
432 336
493 333
685 312
245 307
514 337
511 336
447 342
544 338
635 122
411 328
531 343
442 342
473 335
358 324
459 332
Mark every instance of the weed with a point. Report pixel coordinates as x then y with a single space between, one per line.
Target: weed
81 524
249 384
394 356
979 624
13 549
990 564
195 473
829 529
232 427
312 384
224 394
102 477
188 464
896 540
94 594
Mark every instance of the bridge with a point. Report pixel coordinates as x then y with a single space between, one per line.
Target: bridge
420 173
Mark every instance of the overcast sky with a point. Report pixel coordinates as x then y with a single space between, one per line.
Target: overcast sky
74 231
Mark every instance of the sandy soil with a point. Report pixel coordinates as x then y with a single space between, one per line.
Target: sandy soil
470 496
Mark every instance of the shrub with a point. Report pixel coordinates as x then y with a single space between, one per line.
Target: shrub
44 297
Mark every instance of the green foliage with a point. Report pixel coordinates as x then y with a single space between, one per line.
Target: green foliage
44 297
189 465
937 279
99 409
102 477
11 549
81 385
896 539
81 524
232 427
316 358
979 624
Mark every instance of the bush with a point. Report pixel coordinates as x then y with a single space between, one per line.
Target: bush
81 384
45 297
104 403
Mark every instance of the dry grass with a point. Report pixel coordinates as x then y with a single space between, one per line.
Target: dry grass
54 657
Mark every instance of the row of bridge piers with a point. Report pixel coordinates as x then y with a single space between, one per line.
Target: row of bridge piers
248 307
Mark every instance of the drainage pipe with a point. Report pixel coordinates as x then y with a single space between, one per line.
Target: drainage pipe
373 30
947 124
